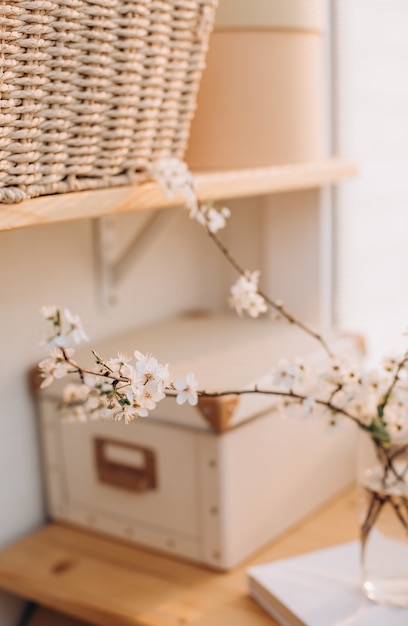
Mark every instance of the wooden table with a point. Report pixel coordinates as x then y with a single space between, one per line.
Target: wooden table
107 583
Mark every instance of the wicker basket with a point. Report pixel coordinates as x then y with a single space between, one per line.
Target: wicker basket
92 91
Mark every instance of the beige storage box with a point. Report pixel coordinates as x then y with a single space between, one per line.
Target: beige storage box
210 491
260 101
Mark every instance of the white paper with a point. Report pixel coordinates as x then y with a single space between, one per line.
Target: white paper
321 588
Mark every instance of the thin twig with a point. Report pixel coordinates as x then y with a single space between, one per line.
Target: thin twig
290 395
375 506
277 306
388 393
396 508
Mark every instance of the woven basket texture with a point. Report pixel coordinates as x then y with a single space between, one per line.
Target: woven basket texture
93 91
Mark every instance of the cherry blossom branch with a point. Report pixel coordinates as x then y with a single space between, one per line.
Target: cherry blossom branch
120 389
289 395
388 393
108 374
171 391
129 387
174 177
274 304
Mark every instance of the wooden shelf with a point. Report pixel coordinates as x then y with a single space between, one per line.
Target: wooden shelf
105 582
211 185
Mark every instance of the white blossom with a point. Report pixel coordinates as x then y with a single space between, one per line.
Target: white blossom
175 178
245 297
75 392
120 389
76 330
150 369
191 201
216 219
187 389
211 217
120 366
55 366
308 406
288 375
127 412
49 312
395 417
390 364
91 380
53 336
76 413
64 326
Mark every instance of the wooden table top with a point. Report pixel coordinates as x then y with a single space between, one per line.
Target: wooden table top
107 583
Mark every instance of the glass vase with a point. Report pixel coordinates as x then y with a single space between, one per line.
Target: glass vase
383 513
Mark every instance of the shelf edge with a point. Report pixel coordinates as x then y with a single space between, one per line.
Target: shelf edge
217 185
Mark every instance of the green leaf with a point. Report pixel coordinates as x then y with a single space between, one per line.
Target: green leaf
123 401
378 431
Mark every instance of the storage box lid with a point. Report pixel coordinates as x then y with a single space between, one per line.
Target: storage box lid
224 352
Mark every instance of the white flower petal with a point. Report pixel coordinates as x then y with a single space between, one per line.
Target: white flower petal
180 384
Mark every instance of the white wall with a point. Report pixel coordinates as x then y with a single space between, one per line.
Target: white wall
372 129
292 254
54 264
